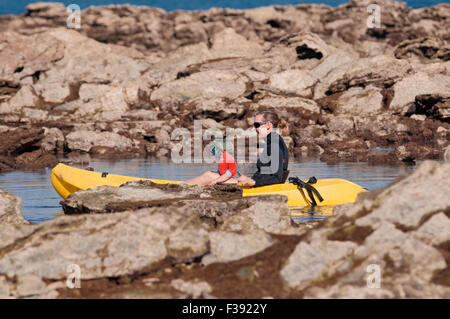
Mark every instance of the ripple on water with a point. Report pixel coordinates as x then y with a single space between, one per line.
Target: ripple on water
308 214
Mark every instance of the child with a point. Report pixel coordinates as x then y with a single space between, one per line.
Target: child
223 150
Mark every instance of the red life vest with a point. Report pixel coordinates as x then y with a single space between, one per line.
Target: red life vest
227 163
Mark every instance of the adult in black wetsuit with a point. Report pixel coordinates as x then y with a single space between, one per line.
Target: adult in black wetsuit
274 160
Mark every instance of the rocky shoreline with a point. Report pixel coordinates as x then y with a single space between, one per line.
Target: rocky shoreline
121 84
119 87
144 240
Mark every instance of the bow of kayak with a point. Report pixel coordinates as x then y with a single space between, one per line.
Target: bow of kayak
67 180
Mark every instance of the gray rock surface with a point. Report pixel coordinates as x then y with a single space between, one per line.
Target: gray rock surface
11 209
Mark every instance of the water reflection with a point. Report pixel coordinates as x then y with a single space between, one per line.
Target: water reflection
310 214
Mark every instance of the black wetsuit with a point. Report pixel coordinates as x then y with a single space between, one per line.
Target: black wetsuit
267 175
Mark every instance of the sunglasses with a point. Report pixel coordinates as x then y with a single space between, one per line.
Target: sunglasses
258 124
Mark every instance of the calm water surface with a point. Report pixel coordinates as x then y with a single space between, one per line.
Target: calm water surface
40 202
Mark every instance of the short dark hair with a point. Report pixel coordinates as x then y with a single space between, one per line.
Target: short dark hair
270 117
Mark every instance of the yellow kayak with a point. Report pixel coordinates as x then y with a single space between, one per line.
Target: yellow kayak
67 180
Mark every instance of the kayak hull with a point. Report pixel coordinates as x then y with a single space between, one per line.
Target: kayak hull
67 180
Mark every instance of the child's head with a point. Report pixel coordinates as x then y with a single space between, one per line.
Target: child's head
219 146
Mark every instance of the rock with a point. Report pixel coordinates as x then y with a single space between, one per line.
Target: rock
430 105
217 108
382 240
90 91
35 160
188 243
435 231
138 194
109 107
29 285
447 154
48 9
358 101
428 48
169 68
11 209
336 59
24 56
412 199
53 140
379 71
309 262
309 46
229 44
270 215
229 246
85 140
403 154
420 260
195 289
295 82
290 103
81 61
25 97
4 287
340 124
11 233
349 291
406 90
34 115
101 245
418 117
208 85
52 92
146 115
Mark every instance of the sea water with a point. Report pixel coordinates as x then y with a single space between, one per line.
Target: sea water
18 6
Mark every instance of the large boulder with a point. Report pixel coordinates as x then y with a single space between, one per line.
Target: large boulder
406 90
356 101
101 245
85 140
229 44
295 82
207 85
399 230
11 209
141 194
413 199
23 56
230 246
152 223
380 71
428 48
309 261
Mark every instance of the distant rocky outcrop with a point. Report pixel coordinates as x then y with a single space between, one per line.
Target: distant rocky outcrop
120 85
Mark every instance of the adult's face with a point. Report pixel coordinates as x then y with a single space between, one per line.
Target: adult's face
264 127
